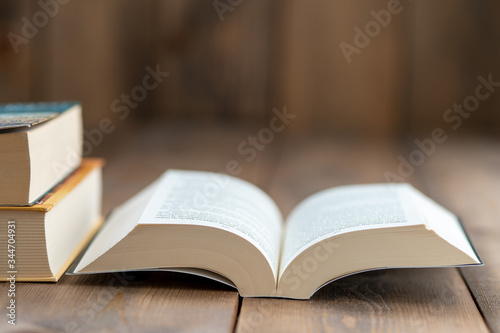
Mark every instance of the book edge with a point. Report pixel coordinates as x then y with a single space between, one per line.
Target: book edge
480 263
96 226
66 186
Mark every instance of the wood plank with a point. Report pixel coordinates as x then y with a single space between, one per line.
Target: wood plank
155 301
411 300
454 43
402 300
359 93
108 302
463 175
219 64
94 52
15 75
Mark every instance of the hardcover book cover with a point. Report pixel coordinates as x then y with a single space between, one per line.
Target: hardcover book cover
49 202
13 116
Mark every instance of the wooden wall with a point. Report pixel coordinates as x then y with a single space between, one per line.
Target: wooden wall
455 42
257 55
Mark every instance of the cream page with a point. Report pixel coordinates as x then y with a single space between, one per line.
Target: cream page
344 209
220 201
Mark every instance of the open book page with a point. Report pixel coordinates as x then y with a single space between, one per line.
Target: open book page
445 224
220 201
121 221
344 209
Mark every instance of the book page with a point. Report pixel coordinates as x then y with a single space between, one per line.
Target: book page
221 201
445 224
344 209
120 222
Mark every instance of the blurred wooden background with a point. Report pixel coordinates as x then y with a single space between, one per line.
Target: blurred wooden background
260 55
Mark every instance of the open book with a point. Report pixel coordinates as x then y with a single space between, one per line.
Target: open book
227 229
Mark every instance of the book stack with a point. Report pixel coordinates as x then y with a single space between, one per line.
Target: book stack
50 197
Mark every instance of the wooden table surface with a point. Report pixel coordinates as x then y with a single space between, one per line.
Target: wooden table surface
463 174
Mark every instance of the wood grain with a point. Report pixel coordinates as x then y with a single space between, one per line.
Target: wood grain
417 300
261 55
463 175
152 302
402 300
222 60
93 52
15 61
454 43
331 92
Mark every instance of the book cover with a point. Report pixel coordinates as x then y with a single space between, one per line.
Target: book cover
42 208
49 200
13 116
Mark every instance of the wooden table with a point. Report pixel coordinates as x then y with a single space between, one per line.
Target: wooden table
463 174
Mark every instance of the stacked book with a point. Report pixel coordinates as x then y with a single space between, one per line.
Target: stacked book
50 197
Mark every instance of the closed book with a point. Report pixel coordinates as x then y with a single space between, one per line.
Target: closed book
40 242
40 145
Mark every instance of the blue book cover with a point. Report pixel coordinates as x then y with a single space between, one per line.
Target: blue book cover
20 115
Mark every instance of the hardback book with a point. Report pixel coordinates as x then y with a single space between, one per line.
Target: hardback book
40 144
41 241
227 229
